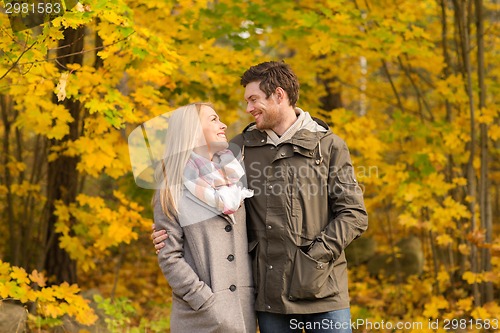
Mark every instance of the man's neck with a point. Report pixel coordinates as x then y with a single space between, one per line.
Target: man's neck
289 119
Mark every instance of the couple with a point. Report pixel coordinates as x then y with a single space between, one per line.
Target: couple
302 208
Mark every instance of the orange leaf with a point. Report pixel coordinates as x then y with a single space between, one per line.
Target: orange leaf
38 278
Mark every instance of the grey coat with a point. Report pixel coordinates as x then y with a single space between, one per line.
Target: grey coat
208 268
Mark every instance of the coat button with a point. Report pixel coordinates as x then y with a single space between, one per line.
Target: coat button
228 228
270 187
268 307
270 266
232 287
230 257
282 154
262 140
269 227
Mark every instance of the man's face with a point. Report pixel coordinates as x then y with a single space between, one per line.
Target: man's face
265 111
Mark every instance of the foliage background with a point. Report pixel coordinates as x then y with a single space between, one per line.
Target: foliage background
411 86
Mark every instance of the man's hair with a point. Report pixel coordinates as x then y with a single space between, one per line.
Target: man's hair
271 75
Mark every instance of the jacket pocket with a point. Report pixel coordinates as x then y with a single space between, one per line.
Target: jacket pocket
312 279
253 250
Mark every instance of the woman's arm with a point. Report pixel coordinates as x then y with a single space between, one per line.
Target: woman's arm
183 280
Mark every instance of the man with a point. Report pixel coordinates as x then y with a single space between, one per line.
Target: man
306 209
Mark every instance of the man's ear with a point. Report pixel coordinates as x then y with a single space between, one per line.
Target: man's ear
280 94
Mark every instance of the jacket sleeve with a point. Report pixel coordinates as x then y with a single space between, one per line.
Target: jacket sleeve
183 280
348 216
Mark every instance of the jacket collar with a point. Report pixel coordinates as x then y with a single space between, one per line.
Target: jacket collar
307 136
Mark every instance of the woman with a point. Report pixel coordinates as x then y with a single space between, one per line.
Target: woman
206 259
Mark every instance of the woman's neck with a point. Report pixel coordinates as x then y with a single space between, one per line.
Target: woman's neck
204 152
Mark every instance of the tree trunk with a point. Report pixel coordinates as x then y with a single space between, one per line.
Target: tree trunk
471 177
6 107
484 195
62 181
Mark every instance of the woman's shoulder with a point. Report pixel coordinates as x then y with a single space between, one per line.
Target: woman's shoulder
192 210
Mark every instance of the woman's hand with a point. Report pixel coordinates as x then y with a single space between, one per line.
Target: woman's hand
158 237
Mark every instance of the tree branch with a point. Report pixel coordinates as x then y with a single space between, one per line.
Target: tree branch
17 61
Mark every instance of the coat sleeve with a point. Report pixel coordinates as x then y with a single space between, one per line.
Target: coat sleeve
181 277
348 216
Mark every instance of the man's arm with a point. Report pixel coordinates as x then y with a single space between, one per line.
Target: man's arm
349 216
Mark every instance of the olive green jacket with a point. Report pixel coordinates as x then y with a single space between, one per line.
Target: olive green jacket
306 210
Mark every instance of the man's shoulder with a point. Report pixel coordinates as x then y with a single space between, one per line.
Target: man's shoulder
250 132
321 123
237 140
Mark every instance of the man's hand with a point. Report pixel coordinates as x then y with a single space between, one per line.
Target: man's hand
158 237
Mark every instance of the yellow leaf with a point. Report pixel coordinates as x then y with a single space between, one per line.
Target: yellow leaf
443 278
435 304
471 277
493 309
464 249
460 181
465 304
444 240
120 232
26 294
51 310
46 295
20 275
4 290
487 116
480 313
4 270
494 132
65 289
408 220
3 190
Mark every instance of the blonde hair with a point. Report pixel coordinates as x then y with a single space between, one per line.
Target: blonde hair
183 134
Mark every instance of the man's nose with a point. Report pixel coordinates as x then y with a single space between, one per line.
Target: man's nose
249 107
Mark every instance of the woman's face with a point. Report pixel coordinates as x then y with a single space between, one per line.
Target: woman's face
213 129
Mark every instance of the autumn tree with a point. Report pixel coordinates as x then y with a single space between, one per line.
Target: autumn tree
410 86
